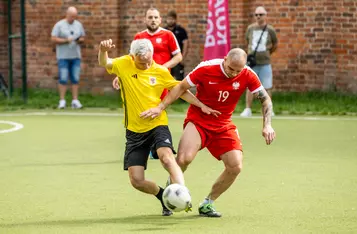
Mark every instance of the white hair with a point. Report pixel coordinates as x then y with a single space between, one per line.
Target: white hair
141 47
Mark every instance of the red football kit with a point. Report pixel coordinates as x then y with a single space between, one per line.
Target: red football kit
165 46
164 42
216 90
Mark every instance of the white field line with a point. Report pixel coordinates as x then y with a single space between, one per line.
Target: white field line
16 126
170 115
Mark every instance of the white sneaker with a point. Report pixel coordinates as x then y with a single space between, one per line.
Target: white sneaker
62 104
76 104
247 112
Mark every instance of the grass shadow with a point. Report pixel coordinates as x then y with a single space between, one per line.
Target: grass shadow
65 164
159 221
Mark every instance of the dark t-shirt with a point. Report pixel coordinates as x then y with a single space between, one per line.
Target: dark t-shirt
180 34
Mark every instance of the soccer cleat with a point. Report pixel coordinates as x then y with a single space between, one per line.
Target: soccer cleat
207 210
247 112
166 212
76 104
189 207
62 104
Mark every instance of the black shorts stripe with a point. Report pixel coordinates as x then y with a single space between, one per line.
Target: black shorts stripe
138 145
124 103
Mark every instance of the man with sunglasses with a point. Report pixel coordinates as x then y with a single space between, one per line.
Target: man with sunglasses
262 41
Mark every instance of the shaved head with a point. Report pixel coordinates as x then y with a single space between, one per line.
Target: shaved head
237 55
234 62
260 10
72 10
71 14
260 15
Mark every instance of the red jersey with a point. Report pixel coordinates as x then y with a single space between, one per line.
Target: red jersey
216 90
164 43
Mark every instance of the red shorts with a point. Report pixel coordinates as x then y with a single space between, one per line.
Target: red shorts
218 142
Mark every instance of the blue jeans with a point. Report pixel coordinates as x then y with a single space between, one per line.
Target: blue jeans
69 68
265 75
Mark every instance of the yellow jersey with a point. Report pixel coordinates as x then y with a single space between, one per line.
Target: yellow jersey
141 90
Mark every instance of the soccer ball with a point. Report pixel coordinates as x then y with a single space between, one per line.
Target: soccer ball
176 197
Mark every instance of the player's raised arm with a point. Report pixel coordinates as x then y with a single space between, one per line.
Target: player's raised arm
175 93
103 58
190 98
267 106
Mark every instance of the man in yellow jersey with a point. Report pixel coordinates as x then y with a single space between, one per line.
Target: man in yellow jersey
142 82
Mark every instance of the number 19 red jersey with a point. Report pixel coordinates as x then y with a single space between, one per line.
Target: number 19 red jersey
216 90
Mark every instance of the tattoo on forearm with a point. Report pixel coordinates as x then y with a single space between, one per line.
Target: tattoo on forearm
261 96
267 111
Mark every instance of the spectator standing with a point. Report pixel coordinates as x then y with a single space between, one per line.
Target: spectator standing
68 34
262 41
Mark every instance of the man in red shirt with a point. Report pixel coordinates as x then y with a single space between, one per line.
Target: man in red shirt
166 48
220 83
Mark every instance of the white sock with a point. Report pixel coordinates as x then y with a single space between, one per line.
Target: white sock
207 201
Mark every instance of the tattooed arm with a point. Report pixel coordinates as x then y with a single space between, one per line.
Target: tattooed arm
267 106
265 100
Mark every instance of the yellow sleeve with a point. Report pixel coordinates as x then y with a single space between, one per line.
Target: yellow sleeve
169 81
115 68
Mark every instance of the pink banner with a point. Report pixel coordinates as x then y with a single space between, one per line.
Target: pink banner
218 40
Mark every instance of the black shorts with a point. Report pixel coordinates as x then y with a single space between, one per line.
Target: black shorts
139 145
178 72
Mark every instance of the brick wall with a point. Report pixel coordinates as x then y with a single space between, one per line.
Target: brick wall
98 17
317 49
318 45
3 38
